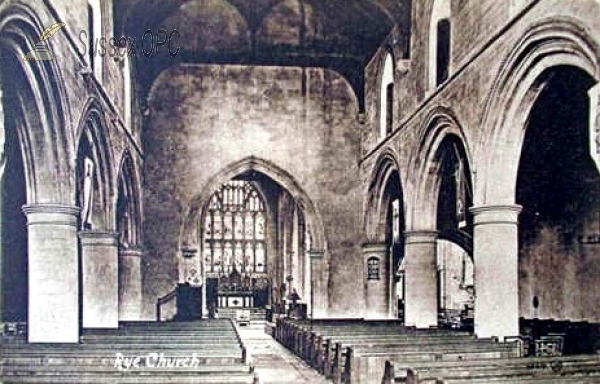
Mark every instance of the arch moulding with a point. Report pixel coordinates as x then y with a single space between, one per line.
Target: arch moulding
252 164
546 45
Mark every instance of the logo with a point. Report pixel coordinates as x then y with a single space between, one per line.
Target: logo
41 52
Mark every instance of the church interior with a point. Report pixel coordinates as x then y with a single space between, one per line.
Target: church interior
384 190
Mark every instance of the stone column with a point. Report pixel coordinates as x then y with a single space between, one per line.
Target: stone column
496 249
421 298
100 269
53 273
130 284
319 275
376 287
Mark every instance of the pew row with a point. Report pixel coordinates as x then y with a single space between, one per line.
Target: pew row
186 353
559 369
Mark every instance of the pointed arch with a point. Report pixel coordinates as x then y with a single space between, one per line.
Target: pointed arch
254 164
94 144
440 125
547 44
379 197
44 117
128 209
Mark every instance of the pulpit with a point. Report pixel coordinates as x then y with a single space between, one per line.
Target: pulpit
189 302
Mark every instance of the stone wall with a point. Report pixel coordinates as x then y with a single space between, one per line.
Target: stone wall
207 117
484 33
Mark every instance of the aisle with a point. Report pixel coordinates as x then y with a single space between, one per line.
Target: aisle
273 362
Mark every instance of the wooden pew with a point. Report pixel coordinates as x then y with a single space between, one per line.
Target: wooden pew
512 369
191 353
333 355
363 363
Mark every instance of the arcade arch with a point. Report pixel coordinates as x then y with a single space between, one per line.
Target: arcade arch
439 243
523 96
558 187
385 223
37 186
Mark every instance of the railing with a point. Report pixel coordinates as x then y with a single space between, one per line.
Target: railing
164 300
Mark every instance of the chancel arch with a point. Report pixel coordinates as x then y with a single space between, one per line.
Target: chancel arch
250 239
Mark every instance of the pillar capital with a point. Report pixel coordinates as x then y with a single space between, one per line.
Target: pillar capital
496 214
380 248
51 214
420 236
131 252
189 252
316 254
98 238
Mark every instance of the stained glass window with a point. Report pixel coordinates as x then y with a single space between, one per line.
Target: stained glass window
234 232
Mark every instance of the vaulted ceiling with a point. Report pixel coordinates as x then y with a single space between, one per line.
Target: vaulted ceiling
341 35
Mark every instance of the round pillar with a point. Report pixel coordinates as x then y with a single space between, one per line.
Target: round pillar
100 269
496 250
130 284
421 284
53 314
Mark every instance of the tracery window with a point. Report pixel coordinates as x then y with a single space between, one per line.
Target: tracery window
234 230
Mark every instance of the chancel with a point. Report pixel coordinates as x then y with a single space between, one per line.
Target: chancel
394 191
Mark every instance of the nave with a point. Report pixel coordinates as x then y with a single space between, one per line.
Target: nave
292 351
389 167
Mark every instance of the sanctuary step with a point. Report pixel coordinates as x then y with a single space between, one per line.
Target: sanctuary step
204 351
256 314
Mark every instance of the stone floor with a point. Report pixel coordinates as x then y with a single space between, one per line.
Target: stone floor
274 363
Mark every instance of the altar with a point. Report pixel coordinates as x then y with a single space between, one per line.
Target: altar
236 299
238 290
